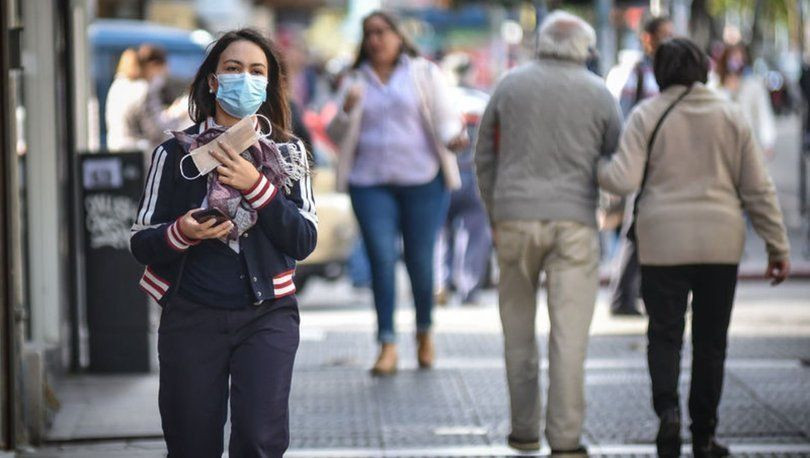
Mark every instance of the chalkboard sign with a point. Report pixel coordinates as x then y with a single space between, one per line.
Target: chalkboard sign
117 311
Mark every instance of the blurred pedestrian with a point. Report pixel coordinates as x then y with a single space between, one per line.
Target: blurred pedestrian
136 115
640 83
464 246
125 99
804 86
739 83
158 116
625 280
696 166
229 326
541 135
395 130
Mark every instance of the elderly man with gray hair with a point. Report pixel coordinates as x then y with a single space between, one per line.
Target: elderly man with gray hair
546 125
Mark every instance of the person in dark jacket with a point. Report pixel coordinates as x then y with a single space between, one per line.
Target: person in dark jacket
229 324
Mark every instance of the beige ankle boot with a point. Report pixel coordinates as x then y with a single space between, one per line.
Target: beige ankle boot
387 360
425 352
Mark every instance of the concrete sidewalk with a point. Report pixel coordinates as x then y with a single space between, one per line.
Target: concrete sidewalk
460 407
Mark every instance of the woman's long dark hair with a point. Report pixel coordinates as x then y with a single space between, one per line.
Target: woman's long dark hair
407 45
202 103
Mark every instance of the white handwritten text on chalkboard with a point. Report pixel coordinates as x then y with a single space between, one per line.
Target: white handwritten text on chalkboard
109 219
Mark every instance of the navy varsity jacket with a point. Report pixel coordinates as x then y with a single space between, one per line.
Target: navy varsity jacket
286 229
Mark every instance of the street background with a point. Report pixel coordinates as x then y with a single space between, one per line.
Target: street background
460 408
67 391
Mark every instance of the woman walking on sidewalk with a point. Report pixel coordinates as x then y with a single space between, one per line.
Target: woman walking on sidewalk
739 83
395 131
226 283
696 166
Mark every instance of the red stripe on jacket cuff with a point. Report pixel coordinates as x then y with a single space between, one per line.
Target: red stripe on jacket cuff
176 239
261 193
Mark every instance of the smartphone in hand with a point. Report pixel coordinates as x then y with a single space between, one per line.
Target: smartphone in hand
202 216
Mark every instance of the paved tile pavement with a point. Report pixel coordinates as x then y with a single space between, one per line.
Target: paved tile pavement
459 408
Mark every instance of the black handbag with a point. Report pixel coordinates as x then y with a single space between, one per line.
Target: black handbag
631 231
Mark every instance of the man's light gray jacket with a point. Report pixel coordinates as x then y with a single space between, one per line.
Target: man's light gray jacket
541 136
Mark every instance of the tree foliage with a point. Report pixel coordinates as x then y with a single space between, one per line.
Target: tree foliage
774 11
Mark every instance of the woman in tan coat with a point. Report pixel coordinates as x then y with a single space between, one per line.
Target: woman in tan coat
697 167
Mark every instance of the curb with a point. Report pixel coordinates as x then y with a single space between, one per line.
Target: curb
744 275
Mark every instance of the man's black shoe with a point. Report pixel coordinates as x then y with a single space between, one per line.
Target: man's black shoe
708 448
668 440
524 445
579 452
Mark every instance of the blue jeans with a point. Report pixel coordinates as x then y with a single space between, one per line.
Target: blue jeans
416 213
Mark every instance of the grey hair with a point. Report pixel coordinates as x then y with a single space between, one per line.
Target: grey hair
565 36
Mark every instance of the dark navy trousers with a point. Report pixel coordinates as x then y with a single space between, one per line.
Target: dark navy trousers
208 355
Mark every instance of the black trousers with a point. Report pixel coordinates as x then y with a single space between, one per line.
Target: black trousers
199 349
665 290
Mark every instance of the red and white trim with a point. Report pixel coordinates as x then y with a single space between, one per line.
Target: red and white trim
176 239
261 193
153 285
283 284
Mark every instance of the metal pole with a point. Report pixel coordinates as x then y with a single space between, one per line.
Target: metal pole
606 35
6 370
801 28
655 7
680 16
804 155
10 399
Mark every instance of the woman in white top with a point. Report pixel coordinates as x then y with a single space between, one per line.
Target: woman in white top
137 118
741 85
125 98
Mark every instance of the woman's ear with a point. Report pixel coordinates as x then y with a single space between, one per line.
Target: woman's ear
213 84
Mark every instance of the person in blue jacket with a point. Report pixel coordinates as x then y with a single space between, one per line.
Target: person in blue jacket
229 324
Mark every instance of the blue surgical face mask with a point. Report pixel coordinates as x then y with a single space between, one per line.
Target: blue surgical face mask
241 94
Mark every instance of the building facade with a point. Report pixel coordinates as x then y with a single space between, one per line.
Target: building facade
44 74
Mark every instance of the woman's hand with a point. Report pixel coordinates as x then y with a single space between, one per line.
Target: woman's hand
460 142
777 271
352 97
191 229
235 171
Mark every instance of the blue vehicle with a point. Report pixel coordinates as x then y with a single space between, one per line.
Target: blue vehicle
110 37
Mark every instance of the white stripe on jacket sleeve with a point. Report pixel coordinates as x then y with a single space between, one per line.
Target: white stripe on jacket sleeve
154 188
307 209
147 197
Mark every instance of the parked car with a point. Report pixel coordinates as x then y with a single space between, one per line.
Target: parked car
337 228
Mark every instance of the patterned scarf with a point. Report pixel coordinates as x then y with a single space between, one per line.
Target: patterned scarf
269 158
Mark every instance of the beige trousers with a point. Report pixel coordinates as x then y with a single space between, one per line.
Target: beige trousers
569 255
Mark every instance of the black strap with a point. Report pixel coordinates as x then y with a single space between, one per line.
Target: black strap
650 142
